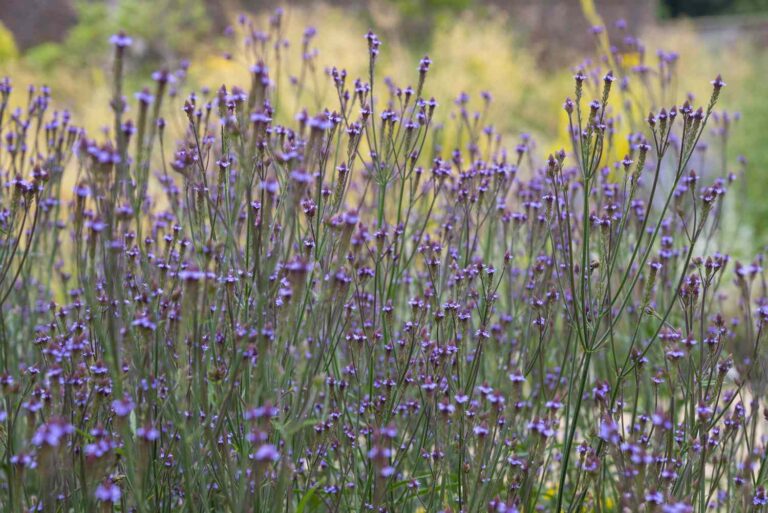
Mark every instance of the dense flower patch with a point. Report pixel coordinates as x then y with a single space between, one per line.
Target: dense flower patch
370 307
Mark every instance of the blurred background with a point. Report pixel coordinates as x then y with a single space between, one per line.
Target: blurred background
522 51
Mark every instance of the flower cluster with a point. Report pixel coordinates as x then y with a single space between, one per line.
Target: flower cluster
375 306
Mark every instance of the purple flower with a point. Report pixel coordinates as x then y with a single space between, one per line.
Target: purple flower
147 433
24 460
424 64
677 507
267 411
123 407
144 96
121 40
266 452
108 492
718 83
760 498
609 431
52 432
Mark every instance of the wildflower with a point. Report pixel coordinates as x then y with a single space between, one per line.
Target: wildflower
373 44
108 491
718 83
677 507
147 433
123 407
266 411
446 407
266 453
121 40
609 431
654 497
424 64
52 432
24 460
760 498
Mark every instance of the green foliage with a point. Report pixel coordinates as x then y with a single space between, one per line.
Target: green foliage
165 26
673 8
749 140
45 56
163 29
430 7
87 38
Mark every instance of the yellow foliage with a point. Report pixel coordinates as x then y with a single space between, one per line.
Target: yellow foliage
8 50
465 59
470 53
698 64
339 42
473 55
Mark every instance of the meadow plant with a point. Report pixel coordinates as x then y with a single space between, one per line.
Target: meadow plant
347 310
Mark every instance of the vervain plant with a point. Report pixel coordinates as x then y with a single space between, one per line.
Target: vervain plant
357 309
